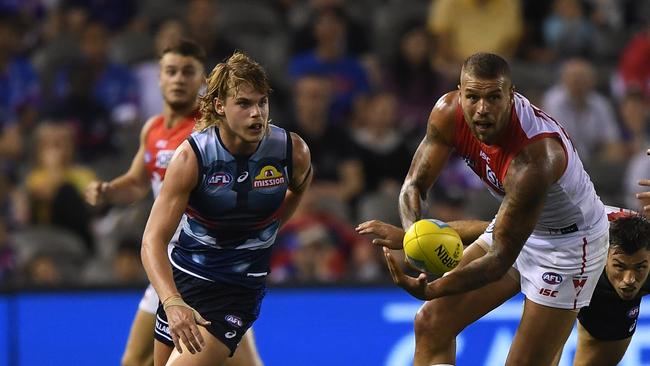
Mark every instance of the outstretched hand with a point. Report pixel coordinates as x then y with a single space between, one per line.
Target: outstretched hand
418 287
389 236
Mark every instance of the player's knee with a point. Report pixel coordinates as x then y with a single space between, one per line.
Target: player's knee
529 358
131 359
433 321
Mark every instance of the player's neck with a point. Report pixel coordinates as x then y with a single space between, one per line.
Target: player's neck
173 116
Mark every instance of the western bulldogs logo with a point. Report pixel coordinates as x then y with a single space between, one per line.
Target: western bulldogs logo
269 176
220 179
552 278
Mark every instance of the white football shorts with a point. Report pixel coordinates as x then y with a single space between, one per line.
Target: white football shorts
559 271
149 301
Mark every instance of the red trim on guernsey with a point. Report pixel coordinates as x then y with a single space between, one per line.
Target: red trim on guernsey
582 269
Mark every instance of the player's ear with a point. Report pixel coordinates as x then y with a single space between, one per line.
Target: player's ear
219 107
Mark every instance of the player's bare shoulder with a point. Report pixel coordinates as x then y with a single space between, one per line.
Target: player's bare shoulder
147 127
301 160
441 122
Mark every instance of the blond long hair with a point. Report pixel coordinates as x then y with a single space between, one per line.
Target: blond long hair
225 80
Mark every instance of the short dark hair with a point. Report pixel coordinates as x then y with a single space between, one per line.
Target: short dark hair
186 47
630 234
486 66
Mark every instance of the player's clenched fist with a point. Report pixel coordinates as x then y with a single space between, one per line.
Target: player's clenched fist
96 193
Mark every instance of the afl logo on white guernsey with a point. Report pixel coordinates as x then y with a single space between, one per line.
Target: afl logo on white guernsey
268 177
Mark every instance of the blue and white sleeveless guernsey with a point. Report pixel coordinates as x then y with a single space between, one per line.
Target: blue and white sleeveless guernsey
233 213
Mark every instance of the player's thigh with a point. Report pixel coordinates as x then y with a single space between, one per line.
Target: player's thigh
455 312
139 347
214 353
593 352
246 353
161 353
541 334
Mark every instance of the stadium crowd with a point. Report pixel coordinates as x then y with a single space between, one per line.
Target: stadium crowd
356 79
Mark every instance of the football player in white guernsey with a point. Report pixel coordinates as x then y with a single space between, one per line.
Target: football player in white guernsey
606 326
549 237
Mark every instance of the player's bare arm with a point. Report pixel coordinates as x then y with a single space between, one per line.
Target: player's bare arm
429 159
301 177
131 186
165 215
392 237
529 176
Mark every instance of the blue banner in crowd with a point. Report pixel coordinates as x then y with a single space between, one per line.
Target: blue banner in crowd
322 326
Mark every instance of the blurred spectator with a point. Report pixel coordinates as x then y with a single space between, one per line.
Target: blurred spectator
568 32
43 270
338 176
7 255
302 18
606 16
19 84
637 170
532 46
413 80
587 115
94 129
447 202
201 22
634 64
318 247
127 268
331 58
381 146
634 113
55 185
58 45
113 86
463 27
454 192
114 13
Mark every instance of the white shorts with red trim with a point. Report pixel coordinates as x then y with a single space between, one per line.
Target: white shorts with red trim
559 271
149 301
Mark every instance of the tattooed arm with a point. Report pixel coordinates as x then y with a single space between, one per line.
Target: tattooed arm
529 176
429 159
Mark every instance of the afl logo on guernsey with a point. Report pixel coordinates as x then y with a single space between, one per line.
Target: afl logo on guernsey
269 176
220 179
552 278
633 313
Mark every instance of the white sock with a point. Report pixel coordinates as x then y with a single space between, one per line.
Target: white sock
442 364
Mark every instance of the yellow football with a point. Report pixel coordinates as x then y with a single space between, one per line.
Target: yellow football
432 246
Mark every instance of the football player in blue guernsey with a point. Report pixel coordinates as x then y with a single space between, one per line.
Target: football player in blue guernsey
231 185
